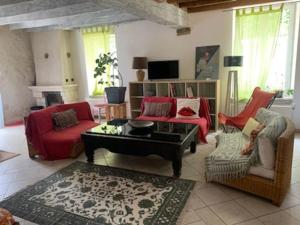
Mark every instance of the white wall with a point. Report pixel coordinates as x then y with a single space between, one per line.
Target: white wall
55 69
16 74
78 64
159 42
48 70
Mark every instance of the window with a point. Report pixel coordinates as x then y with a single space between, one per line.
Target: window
264 36
281 66
97 40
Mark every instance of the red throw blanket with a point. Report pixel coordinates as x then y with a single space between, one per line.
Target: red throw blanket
39 123
204 111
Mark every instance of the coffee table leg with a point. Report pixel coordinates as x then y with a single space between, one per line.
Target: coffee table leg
177 164
89 152
193 147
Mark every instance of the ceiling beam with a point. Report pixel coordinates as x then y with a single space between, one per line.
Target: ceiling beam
92 17
26 7
120 19
195 3
230 5
162 13
60 13
51 28
12 2
69 10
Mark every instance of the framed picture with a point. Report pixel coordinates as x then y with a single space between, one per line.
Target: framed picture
207 62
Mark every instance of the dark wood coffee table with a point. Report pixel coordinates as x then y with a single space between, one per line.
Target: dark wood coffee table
168 140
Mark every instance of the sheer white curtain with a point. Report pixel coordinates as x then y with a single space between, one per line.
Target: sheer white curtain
255 39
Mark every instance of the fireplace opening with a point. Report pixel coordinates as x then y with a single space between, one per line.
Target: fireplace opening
53 98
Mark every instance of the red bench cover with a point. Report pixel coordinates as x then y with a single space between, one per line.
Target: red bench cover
204 122
52 144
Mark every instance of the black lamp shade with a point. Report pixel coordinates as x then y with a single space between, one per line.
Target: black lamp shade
139 63
233 61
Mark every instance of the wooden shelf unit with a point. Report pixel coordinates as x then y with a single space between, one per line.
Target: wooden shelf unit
209 89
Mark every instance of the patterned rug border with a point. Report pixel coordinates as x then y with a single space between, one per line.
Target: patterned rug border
12 155
52 216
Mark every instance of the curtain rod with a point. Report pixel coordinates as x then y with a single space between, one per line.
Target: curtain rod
263 4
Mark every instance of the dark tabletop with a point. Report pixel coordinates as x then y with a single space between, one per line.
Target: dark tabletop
174 132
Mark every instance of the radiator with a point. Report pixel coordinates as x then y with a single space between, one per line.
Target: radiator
284 106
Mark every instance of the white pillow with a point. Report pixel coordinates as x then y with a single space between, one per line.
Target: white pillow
250 126
188 108
266 152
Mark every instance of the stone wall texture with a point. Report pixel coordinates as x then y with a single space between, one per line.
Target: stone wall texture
16 73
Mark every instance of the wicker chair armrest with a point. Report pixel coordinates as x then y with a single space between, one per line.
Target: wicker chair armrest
284 156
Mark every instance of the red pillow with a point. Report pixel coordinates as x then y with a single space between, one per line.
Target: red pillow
186 111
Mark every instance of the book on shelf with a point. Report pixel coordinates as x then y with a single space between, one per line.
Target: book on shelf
172 90
189 92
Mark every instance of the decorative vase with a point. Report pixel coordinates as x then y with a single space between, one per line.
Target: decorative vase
115 95
140 74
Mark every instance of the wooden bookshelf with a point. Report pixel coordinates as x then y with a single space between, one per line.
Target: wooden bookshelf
209 89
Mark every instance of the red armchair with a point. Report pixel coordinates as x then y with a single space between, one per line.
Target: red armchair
259 99
50 144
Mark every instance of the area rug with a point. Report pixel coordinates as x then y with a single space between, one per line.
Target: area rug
6 155
84 193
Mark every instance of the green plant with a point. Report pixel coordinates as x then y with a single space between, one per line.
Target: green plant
104 61
290 92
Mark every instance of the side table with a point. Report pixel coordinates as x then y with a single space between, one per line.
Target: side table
112 111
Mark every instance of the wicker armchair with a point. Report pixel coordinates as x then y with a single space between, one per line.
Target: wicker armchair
276 189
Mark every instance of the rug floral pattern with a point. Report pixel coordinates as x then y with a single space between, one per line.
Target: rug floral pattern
90 194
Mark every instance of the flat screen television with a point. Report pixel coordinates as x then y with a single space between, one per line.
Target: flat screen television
163 69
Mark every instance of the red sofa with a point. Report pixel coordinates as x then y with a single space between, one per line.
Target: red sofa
204 122
50 144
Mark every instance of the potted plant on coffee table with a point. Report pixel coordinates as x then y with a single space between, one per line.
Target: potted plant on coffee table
115 94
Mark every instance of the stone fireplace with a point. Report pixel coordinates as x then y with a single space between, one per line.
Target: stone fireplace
55 80
53 98
50 95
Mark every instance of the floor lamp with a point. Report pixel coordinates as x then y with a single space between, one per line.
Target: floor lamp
232 96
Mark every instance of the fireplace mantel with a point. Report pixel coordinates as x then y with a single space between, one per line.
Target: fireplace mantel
68 92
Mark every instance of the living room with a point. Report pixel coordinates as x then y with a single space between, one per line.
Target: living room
172 171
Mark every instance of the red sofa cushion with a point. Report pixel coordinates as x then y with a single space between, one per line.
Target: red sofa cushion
153 118
42 119
161 99
82 110
58 144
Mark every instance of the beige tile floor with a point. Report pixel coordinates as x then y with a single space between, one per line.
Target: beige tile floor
210 204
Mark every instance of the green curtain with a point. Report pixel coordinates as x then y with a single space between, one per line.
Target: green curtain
96 41
256 34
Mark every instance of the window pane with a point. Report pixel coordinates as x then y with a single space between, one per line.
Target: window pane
96 42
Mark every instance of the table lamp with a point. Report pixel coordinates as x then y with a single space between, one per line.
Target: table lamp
232 97
140 63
